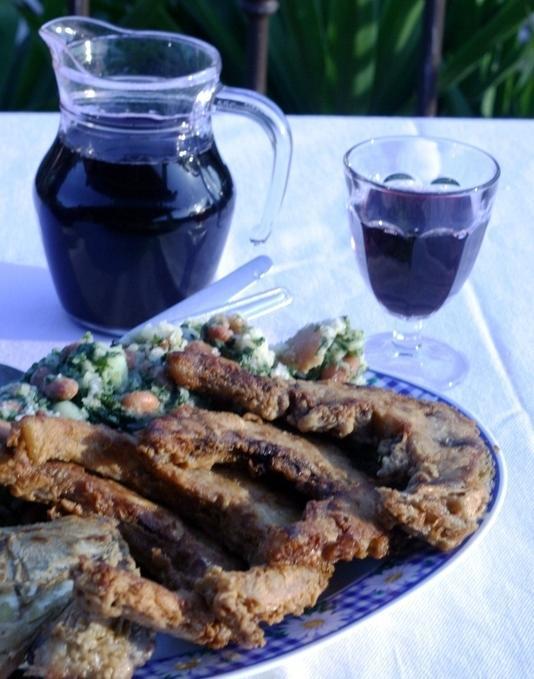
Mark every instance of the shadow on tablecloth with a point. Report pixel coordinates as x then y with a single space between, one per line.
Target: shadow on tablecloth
29 307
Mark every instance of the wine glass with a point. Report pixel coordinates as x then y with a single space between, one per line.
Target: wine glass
418 210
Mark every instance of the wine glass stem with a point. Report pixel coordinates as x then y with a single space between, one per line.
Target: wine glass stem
407 336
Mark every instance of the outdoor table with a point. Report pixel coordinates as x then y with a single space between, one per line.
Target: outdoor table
475 619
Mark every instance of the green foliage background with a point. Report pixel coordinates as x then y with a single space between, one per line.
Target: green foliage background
326 56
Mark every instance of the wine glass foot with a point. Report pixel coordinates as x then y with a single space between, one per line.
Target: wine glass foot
433 364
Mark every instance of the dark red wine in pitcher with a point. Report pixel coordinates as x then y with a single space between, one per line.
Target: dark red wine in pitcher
133 199
414 261
126 236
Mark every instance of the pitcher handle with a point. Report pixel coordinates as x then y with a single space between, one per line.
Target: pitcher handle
274 123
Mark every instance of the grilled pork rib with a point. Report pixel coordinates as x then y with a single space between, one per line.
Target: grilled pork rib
111 592
191 439
231 600
156 537
429 449
250 519
259 523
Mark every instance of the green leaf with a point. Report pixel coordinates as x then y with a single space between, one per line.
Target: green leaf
352 28
151 14
9 23
398 50
220 23
325 56
458 103
466 58
298 55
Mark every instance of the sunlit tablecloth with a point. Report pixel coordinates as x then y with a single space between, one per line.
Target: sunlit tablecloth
475 620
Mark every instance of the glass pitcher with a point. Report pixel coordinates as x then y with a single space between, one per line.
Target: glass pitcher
133 198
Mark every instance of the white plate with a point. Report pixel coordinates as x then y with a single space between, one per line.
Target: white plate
358 590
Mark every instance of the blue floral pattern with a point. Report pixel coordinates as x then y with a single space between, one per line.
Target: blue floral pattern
379 584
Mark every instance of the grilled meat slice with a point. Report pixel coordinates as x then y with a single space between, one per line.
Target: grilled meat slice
430 450
263 594
109 592
310 406
433 452
240 600
256 522
39 438
265 526
249 518
241 516
232 508
184 561
227 381
55 482
157 538
80 646
195 438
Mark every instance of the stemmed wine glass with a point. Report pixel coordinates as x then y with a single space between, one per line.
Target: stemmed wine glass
418 210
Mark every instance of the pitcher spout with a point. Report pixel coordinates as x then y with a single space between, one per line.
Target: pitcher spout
59 33
125 78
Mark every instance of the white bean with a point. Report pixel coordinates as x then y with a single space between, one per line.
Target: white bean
61 389
140 402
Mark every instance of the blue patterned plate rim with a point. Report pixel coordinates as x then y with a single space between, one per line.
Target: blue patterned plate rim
337 613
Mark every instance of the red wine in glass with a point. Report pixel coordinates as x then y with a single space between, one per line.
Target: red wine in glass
412 271
418 210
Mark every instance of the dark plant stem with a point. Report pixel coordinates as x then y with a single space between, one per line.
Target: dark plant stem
433 25
258 14
81 7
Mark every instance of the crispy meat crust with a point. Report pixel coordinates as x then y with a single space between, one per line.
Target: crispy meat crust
227 606
155 535
194 438
264 526
54 482
38 439
429 448
109 592
349 514
79 646
249 518
262 594
263 395
232 508
255 521
438 456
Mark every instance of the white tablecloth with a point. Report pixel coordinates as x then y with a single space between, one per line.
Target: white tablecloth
476 620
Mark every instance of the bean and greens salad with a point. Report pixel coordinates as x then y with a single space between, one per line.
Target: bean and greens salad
125 384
